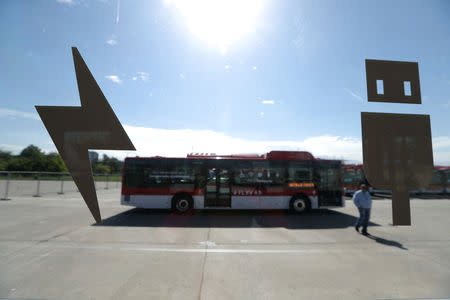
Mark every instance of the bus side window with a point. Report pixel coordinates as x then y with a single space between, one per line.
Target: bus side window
237 178
299 172
276 176
211 175
133 175
147 178
199 178
224 176
240 175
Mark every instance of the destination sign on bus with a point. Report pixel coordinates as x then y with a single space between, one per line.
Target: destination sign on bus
301 185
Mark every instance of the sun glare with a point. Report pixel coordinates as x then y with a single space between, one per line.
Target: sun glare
219 23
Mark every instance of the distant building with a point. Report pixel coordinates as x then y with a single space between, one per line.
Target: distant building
93 156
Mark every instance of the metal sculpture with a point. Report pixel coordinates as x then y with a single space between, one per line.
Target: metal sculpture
397 148
74 130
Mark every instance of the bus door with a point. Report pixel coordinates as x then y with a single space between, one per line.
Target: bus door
329 188
218 191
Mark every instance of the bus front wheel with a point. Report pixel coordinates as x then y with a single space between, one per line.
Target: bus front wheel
299 204
182 203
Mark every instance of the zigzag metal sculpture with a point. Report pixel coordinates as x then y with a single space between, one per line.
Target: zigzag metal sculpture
75 129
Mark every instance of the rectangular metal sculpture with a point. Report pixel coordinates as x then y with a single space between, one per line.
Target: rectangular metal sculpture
393 81
398 156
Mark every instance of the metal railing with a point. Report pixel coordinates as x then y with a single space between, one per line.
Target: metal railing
36 184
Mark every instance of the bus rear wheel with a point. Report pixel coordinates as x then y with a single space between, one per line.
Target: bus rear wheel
182 203
299 204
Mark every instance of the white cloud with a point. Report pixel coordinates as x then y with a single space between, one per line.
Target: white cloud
177 143
66 1
268 102
354 95
111 42
441 142
13 114
15 149
118 12
114 78
441 158
446 105
299 27
144 76
441 150
227 67
254 68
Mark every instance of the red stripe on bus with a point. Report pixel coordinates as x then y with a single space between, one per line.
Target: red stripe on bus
234 191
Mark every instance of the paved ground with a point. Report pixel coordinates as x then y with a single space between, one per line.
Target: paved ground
23 188
50 249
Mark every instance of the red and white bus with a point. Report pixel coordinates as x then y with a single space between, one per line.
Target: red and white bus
440 182
277 180
353 177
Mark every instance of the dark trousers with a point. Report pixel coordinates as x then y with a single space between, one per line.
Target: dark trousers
364 216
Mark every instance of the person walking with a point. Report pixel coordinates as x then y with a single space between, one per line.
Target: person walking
363 202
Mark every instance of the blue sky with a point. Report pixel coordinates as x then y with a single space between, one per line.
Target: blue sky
262 76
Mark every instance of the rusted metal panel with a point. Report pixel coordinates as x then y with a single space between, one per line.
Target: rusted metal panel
74 130
394 76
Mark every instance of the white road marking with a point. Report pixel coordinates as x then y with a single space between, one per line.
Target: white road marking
272 251
198 250
208 243
204 250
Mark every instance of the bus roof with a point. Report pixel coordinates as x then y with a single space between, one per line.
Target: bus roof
436 168
442 168
272 155
352 166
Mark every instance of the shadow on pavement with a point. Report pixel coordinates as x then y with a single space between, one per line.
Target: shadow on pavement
374 197
431 196
386 242
381 196
322 219
411 196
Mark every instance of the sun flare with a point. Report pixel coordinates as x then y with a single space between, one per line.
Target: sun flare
219 23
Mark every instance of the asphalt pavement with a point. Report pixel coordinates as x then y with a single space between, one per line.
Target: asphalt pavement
51 248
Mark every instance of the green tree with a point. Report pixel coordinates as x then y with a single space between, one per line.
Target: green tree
114 164
106 164
101 169
30 159
18 163
32 152
5 157
54 163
